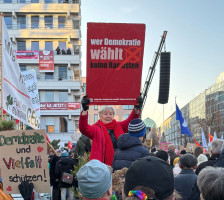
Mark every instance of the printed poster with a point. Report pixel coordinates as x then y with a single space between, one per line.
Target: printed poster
27 54
27 160
114 62
59 106
164 146
46 61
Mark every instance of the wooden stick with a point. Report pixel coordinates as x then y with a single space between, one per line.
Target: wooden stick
51 148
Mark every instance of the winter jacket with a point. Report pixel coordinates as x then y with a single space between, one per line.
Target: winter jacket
220 161
172 156
65 164
184 182
52 163
83 145
211 161
96 133
129 149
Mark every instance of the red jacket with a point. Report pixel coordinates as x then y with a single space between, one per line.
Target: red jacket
95 133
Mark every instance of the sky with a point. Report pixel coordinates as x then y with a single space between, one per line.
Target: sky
194 38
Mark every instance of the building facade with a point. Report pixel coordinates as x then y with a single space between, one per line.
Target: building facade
205 112
37 26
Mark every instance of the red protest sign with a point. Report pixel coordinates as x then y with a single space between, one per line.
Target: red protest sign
46 61
114 62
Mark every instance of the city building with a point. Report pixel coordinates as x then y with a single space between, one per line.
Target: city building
206 111
121 111
37 28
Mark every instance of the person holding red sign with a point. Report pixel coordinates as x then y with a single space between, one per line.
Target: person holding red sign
105 132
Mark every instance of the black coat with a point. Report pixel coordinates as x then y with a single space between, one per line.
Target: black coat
65 164
129 149
220 161
52 162
184 182
210 162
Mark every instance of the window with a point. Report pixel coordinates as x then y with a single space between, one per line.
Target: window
61 22
21 22
95 118
7 1
34 22
48 21
34 1
76 74
48 1
127 107
63 96
22 1
62 73
62 45
49 96
126 116
34 45
49 75
49 46
63 124
76 24
22 68
8 21
49 128
21 45
95 107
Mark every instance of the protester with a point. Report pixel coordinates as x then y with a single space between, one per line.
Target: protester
69 51
56 192
198 151
3 196
216 149
162 155
201 158
65 165
149 178
211 183
105 132
130 146
95 181
182 152
171 153
83 145
220 161
184 181
58 50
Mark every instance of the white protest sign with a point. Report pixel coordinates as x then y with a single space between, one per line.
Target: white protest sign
16 100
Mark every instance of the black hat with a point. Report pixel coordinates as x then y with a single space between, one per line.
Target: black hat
162 155
150 172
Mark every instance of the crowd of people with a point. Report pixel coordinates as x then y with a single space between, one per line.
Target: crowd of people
118 157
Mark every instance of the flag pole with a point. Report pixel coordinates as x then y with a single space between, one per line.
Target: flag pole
1 72
51 147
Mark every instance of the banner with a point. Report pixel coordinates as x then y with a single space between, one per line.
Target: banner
27 160
27 54
164 146
114 62
16 100
46 61
190 147
30 80
59 106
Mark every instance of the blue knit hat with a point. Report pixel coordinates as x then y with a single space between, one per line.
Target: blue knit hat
94 179
136 128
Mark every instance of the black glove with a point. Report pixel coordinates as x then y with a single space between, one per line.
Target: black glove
26 190
140 102
85 101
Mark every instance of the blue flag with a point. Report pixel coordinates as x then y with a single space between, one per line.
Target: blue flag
183 124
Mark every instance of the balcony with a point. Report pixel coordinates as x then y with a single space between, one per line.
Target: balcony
40 6
53 32
74 58
58 83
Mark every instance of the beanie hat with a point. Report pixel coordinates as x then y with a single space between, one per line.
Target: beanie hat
94 179
202 158
162 155
150 172
183 151
136 128
64 152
